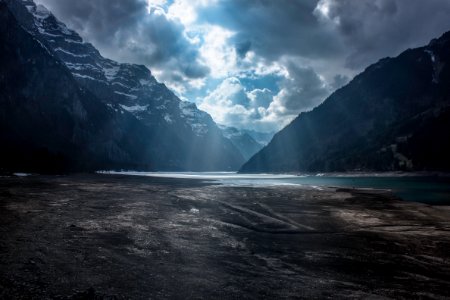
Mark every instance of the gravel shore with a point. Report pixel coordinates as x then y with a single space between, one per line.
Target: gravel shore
122 237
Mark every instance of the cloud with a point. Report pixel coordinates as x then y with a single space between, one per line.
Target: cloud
133 31
242 48
302 90
320 45
356 33
260 97
229 92
339 81
232 104
216 51
273 28
373 29
254 63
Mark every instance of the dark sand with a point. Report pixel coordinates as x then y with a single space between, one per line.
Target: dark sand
136 237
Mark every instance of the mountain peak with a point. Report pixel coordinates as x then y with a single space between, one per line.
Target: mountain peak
393 116
42 12
443 39
183 137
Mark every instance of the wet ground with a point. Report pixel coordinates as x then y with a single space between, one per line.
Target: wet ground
120 237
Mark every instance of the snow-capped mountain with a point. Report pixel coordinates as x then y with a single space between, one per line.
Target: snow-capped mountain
49 123
184 137
242 140
260 137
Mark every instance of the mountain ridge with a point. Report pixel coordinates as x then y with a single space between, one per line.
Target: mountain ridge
243 141
181 136
47 120
392 116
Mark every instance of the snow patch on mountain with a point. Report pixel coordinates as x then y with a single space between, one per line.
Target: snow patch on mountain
70 53
123 85
134 97
429 52
40 12
83 76
168 118
73 41
110 73
187 108
43 46
196 118
80 67
134 108
437 65
199 129
145 82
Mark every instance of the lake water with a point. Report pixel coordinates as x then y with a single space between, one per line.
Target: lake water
426 189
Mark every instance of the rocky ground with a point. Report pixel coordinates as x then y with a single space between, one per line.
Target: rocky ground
119 237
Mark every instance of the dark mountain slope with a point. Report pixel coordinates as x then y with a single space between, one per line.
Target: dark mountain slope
185 138
47 121
393 116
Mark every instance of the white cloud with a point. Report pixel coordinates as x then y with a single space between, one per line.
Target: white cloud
216 51
186 10
232 105
228 104
222 53
155 4
260 98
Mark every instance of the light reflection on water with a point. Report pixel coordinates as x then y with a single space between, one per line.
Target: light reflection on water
425 189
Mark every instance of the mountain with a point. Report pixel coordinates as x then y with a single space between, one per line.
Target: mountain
262 138
182 136
393 116
245 143
48 122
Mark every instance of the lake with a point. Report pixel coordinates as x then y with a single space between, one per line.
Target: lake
433 190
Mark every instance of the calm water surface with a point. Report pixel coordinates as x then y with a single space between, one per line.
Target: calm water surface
426 189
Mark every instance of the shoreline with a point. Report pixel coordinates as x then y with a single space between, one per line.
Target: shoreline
138 237
318 174
428 190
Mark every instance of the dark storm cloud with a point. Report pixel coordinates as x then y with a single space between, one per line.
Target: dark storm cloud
320 43
303 90
274 28
373 29
339 81
349 34
242 48
358 31
124 30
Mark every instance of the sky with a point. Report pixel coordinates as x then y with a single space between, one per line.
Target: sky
254 64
